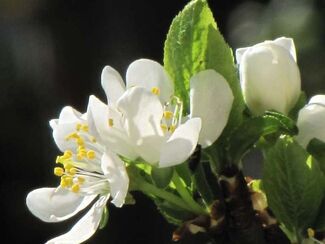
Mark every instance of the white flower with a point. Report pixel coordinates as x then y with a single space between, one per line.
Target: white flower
151 115
89 171
311 121
269 75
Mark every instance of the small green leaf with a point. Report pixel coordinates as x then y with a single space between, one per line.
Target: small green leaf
250 131
317 148
104 219
294 185
161 176
193 44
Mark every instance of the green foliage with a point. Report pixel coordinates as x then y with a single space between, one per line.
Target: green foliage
161 176
193 44
294 185
317 148
251 130
104 219
172 213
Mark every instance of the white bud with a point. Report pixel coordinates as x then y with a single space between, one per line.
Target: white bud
311 121
269 76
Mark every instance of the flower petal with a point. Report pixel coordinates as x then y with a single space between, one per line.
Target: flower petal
239 54
311 121
211 100
149 74
56 204
112 84
114 168
85 227
143 112
288 44
113 136
181 144
69 115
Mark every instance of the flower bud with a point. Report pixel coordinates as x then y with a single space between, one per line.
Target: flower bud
269 76
311 121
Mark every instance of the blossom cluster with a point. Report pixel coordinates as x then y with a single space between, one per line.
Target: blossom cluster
144 121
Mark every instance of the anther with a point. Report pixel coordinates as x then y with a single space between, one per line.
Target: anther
85 128
155 90
164 127
168 114
172 128
75 188
81 179
110 122
58 171
72 171
78 127
80 141
91 154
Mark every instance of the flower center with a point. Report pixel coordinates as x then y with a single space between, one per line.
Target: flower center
172 115
80 171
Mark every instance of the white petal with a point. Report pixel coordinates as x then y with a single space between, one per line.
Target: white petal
311 121
112 84
54 123
69 115
148 73
114 168
61 132
85 227
114 137
211 100
181 144
56 204
143 112
239 54
288 44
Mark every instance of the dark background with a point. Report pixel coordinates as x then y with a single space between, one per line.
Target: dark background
52 54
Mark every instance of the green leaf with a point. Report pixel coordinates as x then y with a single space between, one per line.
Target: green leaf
251 130
294 185
193 44
172 213
104 219
161 176
317 148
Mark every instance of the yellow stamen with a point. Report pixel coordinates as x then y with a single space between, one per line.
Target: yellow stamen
310 232
67 180
172 128
75 188
110 122
67 167
91 154
81 179
80 141
67 154
72 171
58 159
168 114
80 156
58 171
155 90
164 127
78 127
72 135
85 128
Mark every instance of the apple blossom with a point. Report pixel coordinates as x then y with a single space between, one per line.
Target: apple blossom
269 75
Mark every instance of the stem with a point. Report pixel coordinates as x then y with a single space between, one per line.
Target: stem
187 197
150 189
